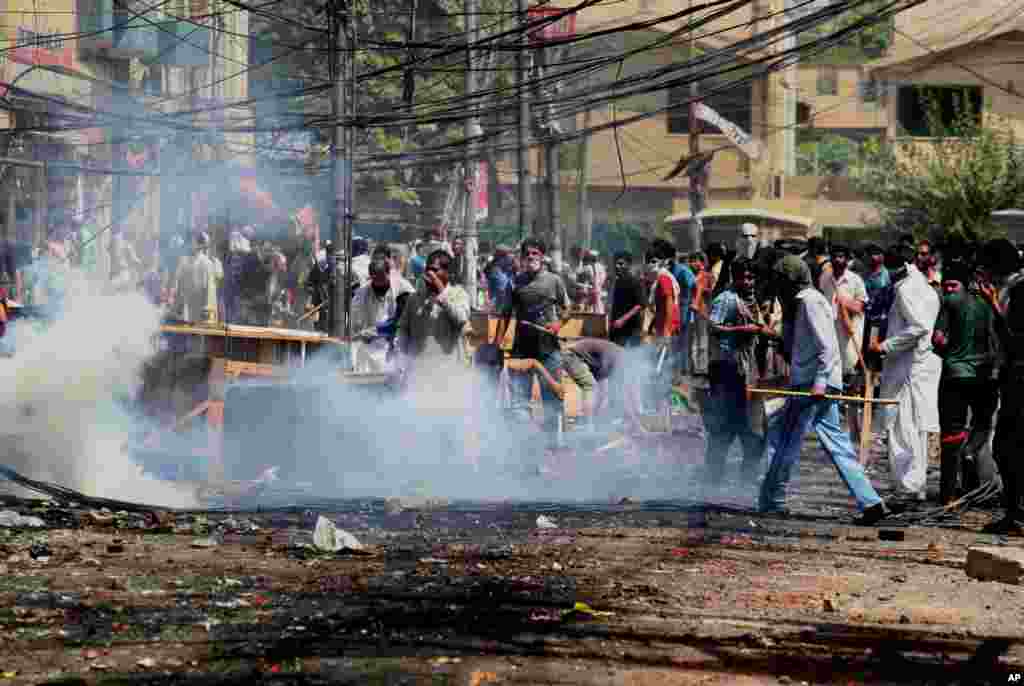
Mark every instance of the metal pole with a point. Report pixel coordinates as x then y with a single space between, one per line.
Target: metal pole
552 183
522 161
584 217
350 175
337 204
694 230
471 162
41 205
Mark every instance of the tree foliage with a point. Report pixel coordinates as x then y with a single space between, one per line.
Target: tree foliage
297 55
862 45
970 167
827 155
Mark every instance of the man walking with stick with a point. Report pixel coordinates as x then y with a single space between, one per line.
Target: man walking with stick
813 350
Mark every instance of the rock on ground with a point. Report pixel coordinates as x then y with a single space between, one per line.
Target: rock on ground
996 563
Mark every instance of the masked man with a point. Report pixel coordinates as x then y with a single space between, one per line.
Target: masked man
747 242
910 373
539 301
376 309
434 319
729 414
815 367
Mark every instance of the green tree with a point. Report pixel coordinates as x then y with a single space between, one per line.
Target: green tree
827 155
865 44
295 52
970 167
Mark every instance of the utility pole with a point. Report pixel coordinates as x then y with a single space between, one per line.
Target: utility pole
339 306
552 181
522 161
349 177
584 216
469 232
695 229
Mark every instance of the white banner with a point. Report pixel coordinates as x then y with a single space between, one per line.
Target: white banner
737 136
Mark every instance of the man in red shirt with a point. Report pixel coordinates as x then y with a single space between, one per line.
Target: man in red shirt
663 296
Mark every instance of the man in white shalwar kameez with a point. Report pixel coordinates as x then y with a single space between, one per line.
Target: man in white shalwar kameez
910 374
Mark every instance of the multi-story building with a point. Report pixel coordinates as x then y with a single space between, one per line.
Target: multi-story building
93 76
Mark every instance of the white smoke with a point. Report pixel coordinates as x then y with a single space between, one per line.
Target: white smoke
65 396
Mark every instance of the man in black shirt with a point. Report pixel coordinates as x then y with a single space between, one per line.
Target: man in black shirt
628 301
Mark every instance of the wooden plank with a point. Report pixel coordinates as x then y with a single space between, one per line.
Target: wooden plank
865 424
256 332
235 368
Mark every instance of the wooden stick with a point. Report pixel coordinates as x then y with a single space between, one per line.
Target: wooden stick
806 394
312 312
866 429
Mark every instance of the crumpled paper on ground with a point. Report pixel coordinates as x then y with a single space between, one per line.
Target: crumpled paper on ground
328 537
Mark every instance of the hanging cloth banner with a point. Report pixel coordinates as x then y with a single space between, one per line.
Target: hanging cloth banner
737 136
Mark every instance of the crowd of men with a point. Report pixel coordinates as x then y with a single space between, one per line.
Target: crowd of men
942 341
942 344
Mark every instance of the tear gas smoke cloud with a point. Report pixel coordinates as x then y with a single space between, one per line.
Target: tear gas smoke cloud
65 397
446 437
66 410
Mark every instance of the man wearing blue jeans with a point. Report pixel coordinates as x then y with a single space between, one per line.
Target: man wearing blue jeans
815 365
538 302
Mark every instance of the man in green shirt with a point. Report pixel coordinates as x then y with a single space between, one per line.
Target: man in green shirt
963 339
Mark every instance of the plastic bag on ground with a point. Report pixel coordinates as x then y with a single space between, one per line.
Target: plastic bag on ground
328 537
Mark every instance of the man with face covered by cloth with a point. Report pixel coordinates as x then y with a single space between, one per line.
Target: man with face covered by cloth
376 308
736 322
539 301
813 349
434 318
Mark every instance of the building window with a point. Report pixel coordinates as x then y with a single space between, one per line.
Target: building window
734 104
949 102
803 114
828 81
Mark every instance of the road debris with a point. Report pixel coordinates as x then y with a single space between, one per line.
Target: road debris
991 563
545 522
10 518
329 538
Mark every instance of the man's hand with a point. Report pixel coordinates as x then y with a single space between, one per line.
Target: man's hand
554 327
616 324
430 278
875 347
989 292
818 391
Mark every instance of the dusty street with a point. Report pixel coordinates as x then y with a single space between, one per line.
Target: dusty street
463 594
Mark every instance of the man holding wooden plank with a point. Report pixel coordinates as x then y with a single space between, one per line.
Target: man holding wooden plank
812 347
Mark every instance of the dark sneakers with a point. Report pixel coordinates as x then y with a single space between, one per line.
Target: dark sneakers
872 515
1007 526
